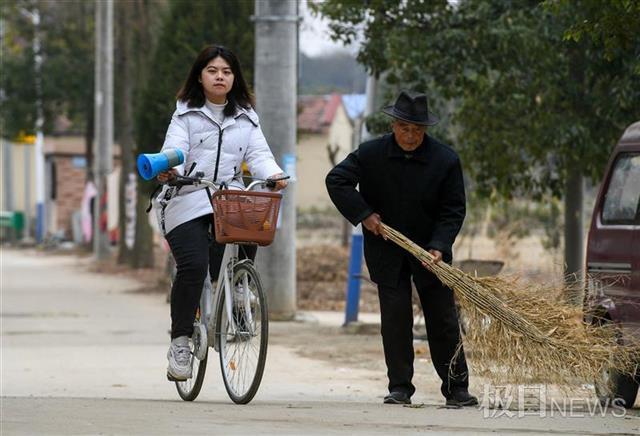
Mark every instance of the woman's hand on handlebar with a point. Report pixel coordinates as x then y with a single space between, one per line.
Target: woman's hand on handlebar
167 176
280 184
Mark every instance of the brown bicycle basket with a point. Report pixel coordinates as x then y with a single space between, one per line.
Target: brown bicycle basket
245 216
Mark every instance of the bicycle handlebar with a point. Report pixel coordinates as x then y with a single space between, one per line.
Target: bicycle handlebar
199 179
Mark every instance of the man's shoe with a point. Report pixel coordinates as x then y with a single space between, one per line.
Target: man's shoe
179 357
397 397
461 398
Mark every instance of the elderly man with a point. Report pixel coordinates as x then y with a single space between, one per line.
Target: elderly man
412 182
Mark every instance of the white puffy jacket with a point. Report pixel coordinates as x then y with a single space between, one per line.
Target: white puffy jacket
202 140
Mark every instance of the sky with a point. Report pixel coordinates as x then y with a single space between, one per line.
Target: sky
314 35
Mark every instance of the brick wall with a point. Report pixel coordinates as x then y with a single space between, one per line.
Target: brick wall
70 182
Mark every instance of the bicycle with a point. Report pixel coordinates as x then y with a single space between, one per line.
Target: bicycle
233 318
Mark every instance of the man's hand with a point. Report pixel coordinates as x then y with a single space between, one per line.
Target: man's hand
437 257
373 224
165 176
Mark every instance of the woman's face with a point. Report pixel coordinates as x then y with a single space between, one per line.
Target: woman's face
217 80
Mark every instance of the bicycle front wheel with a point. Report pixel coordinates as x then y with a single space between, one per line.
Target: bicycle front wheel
243 338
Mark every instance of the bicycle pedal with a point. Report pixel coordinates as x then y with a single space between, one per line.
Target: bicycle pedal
174 379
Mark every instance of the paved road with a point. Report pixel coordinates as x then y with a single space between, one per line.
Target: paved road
84 353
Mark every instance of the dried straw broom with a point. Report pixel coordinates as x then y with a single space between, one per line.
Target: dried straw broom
517 334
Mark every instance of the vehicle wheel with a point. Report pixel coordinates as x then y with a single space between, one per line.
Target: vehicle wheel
190 388
243 342
622 391
615 388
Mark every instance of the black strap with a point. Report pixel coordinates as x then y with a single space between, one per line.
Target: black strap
153 194
193 167
167 197
215 174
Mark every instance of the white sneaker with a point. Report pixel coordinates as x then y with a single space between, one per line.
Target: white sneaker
179 357
239 297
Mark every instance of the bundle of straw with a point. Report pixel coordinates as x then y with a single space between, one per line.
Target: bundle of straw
518 334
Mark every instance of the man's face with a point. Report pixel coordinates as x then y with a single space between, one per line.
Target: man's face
408 136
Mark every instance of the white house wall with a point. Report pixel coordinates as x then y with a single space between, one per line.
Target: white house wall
341 132
313 166
18 174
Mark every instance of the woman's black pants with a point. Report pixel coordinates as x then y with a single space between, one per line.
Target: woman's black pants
443 332
194 249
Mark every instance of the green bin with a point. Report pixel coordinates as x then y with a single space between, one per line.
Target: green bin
11 223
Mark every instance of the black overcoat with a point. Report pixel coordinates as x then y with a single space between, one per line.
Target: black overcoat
421 194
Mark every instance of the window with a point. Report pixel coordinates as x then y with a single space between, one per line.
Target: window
79 162
623 193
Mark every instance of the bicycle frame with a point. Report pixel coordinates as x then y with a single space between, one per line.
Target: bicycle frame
211 298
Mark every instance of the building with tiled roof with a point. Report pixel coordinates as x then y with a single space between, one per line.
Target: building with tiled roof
328 128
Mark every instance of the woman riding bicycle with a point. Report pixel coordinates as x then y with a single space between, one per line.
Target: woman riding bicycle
216 128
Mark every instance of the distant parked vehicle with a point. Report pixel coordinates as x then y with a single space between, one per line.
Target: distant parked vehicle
613 254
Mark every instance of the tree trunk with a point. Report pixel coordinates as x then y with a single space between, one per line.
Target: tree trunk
143 248
346 233
88 139
574 186
86 16
125 126
574 235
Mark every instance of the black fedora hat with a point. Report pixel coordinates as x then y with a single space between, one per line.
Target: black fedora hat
412 108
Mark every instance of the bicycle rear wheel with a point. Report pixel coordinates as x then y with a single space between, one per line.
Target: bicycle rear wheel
243 342
190 388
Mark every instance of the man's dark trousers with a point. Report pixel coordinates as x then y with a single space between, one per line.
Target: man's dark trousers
443 331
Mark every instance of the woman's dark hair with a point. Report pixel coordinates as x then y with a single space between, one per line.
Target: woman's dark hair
193 94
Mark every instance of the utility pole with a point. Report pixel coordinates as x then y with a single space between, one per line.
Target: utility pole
276 54
26 236
7 153
34 15
103 138
39 144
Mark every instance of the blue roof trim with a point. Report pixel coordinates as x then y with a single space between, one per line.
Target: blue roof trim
354 104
